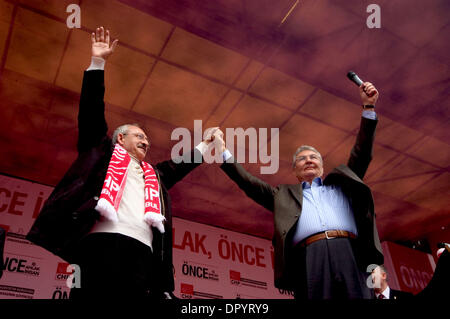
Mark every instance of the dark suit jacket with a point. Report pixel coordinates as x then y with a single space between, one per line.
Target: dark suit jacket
285 201
438 287
69 214
398 294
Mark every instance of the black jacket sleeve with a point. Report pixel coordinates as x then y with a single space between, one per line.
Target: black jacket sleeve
92 125
255 188
361 153
174 170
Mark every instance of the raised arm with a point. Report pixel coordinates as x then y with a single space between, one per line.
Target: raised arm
255 188
92 125
361 153
175 169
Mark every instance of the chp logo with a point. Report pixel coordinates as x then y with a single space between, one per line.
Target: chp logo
238 280
188 292
70 273
62 272
235 277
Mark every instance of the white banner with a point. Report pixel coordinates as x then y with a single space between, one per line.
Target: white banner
209 262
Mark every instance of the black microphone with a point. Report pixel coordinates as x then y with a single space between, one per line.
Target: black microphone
355 79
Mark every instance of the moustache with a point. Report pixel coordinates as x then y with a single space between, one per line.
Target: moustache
145 147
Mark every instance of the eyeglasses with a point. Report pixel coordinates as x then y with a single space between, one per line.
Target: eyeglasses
141 137
311 157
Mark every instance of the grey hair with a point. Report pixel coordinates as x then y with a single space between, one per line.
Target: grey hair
122 130
304 148
383 270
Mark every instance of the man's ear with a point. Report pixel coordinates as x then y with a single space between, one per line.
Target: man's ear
121 139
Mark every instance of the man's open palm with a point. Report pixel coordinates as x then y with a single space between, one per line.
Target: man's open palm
101 43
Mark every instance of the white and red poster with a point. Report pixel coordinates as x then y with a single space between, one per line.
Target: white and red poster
209 262
214 263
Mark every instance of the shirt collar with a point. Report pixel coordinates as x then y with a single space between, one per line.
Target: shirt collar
316 181
134 159
386 293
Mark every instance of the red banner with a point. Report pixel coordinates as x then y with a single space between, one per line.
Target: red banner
408 269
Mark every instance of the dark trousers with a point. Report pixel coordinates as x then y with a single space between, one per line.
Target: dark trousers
327 269
114 265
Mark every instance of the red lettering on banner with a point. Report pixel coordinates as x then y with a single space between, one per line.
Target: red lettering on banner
260 257
15 202
199 243
7 195
414 278
187 241
194 246
236 252
221 244
244 254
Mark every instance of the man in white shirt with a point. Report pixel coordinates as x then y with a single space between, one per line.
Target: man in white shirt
124 250
381 287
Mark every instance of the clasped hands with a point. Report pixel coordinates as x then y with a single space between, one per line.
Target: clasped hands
215 135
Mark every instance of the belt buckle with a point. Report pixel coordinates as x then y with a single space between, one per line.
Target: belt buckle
328 237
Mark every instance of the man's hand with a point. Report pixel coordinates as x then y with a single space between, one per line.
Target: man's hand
218 140
215 135
209 134
101 43
365 90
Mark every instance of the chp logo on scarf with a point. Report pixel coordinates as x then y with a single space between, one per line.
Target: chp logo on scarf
114 185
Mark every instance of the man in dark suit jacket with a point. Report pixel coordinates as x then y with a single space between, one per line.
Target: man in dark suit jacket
437 288
381 286
123 258
325 233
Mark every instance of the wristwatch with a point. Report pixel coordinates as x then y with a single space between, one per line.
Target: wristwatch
368 106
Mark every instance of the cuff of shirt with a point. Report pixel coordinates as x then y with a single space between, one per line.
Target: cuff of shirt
96 64
202 147
226 155
369 114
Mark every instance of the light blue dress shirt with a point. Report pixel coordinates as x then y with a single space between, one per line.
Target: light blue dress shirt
325 207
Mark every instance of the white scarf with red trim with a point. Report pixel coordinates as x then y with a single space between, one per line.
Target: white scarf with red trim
114 185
